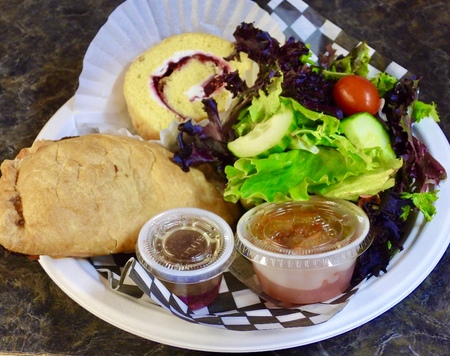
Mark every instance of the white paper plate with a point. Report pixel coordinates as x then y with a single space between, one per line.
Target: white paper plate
99 102
424 248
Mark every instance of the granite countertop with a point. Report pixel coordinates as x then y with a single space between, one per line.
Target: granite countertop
41 52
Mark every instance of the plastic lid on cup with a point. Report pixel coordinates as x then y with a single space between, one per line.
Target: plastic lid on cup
185 245
315 233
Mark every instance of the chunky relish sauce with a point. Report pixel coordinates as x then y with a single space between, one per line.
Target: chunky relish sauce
302 227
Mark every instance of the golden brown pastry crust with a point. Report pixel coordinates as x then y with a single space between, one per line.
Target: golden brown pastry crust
90 195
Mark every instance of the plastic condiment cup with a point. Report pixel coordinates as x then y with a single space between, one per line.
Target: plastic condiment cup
304 252
187 249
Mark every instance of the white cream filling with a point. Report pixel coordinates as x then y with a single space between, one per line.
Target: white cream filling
195 92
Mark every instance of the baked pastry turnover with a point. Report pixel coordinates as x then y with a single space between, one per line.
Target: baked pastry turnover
90 195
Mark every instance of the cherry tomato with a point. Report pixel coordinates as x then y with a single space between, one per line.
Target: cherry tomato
355 94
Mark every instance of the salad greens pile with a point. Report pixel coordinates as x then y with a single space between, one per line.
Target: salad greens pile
317 158
284 139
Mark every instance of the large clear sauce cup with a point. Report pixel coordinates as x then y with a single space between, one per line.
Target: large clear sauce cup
304 252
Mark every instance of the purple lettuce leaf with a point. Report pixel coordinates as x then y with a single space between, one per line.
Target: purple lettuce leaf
300 81
387 229
420 168
199 144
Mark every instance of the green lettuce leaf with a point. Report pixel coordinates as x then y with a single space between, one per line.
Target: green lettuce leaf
423 110
366 184
283 176
355 62
424 202
262 107
384 82
295 174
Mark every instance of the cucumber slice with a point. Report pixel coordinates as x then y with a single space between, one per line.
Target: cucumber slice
270 136
364 131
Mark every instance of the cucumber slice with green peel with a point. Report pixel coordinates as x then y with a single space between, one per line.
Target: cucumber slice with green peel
270 136
364 131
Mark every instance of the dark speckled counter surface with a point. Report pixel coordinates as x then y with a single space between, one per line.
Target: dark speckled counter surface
42 44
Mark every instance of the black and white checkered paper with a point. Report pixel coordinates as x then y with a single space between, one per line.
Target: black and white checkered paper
296 18
241 305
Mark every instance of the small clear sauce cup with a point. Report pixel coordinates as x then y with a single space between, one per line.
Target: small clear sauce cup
304 252
187 249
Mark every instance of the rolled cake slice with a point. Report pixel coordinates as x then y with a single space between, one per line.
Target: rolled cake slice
167 83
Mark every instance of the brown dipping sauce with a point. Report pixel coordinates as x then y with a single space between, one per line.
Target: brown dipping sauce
185 246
